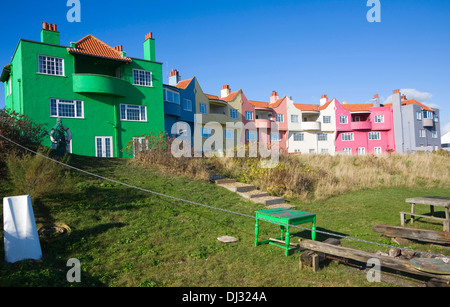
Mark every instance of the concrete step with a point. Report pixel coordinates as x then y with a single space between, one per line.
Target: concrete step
238 187
224 181
268 200
253 194
214 176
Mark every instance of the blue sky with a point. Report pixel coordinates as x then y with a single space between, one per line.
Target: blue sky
302 49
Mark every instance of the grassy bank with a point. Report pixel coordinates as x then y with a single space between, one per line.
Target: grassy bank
318 177
126 237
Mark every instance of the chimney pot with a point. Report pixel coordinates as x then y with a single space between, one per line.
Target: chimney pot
226 87
274 93
375 96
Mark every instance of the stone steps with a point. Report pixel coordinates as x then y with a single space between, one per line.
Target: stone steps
249 192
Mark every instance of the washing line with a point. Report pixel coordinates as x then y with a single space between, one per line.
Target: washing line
208 206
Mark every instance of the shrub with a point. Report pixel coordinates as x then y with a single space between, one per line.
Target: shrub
35 175
20 129
158 153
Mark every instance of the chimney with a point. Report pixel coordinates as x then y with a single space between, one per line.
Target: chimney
376 101
225 91
274 97
404 98
50 34
149 47
323 100
174 77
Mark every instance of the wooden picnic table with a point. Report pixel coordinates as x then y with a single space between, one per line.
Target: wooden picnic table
431 201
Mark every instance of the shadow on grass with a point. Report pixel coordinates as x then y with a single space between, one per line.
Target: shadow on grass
321 234
52 269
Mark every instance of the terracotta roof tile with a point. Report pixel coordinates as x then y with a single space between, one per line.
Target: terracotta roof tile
412 101
277 103
259 104
358 107
184 83
307 107
92 46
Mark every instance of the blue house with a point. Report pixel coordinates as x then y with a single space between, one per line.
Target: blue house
179 105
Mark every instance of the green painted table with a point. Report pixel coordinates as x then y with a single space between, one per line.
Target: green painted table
284 217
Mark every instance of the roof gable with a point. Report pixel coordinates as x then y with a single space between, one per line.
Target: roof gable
92 46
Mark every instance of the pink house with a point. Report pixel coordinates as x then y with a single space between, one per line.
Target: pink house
364 128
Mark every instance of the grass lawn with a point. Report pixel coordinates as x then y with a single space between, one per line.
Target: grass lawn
127 237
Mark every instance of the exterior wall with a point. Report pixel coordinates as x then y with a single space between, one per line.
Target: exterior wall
282 126
361 132
412 126
101 111
291 145
328 128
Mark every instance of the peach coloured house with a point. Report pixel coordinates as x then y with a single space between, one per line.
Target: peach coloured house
270 120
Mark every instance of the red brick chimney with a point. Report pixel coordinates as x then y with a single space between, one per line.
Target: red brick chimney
174 77
273 97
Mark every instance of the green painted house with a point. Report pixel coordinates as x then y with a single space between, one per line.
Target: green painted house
104 97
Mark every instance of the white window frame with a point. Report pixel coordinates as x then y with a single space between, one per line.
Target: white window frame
428 114
294 118
47 60
324 150
422 133
298 136
377 150
103 138
322 136
140 80
248 115
279 118
434 134
348 151
275 137
379 118
347 136
374 136
419 115
187 106
142 112
67 102
175 96
343 119
326 119
361 151
202 108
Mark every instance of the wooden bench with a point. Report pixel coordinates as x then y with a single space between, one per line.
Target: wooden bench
432 201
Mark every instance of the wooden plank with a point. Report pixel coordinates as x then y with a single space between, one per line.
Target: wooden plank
362 256
422 215
433 236
430 200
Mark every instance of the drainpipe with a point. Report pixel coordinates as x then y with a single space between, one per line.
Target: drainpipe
116 130
20 96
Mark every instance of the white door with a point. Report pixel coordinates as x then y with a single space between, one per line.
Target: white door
103 146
